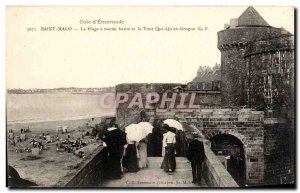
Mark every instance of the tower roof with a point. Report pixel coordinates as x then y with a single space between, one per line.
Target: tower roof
251 17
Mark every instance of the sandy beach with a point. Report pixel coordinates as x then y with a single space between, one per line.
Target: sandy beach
50 126
60 165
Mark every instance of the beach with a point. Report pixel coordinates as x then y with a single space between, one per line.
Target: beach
60 165
47 114
32 108
50 126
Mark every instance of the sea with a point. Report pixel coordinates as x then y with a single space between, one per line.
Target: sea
23 108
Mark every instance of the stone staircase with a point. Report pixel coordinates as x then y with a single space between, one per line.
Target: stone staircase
154 176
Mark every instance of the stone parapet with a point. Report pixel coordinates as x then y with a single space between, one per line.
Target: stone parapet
238 37
270 45
214 173
91 174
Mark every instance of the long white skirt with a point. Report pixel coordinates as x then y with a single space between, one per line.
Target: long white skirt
143 158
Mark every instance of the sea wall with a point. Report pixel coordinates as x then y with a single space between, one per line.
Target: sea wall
91 174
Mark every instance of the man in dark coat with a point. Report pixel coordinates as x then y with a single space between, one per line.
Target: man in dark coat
196 155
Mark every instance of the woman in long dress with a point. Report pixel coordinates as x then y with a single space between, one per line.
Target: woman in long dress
130 160
169 162
115 140
143 160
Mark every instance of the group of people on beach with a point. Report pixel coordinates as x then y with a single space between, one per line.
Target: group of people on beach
125 155
63 144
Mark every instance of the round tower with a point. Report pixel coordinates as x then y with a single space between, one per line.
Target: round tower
249 27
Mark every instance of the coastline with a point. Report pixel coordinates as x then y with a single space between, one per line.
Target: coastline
52 124
59 119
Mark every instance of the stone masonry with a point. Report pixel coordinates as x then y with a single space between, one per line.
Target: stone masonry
257 72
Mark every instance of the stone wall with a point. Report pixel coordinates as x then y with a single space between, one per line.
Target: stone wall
238 36
279 140
232 43
127 115
269 155
214 173
247 125
270 66
209 98
92 174
233 76
244 124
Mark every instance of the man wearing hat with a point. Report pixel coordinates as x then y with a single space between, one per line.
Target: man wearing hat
196 155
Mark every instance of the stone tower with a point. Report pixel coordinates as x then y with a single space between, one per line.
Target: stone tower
232 41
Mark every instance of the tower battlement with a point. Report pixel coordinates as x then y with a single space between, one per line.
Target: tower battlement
232 42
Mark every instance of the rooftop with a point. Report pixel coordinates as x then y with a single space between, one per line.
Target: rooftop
251 17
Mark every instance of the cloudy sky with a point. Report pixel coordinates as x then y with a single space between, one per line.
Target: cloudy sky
44 59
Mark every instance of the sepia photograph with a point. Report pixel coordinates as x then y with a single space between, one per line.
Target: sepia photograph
187 97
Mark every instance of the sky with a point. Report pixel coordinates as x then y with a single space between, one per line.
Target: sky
51 59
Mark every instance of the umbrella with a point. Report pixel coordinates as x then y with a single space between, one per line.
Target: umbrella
173 123
146 126
135 133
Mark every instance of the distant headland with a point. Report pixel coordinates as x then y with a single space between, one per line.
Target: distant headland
69 90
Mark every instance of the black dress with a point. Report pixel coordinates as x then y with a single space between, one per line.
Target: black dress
115 140
130 161
169 162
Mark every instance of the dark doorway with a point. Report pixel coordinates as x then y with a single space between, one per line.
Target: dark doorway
230 151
